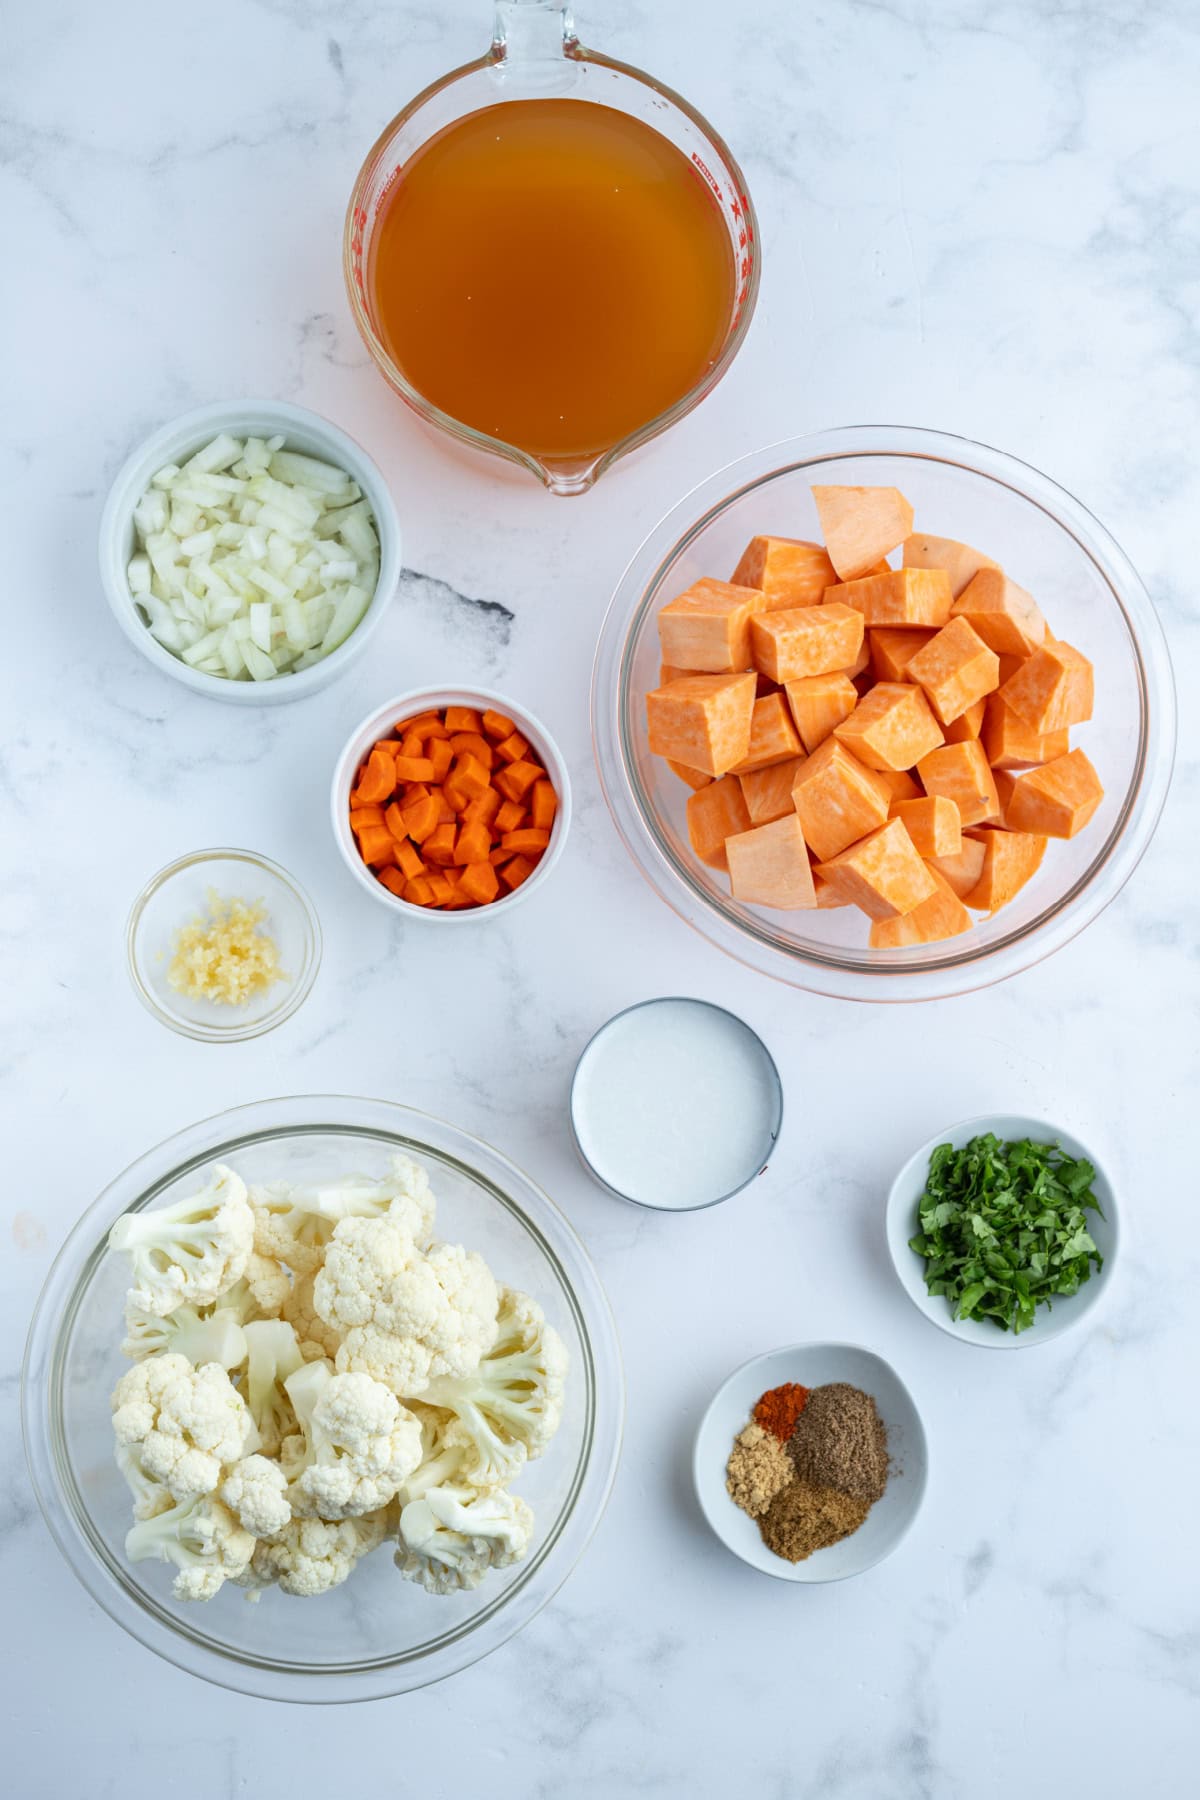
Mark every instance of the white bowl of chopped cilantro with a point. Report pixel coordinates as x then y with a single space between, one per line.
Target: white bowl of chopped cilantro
1003 1230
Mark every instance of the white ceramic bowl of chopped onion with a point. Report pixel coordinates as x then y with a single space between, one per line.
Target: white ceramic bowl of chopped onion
249 550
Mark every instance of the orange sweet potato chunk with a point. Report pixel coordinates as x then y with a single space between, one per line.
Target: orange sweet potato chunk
1011 744
805 640
1010 858
707 628
891 727
933 824
828 896
956 669
900 785
1057 800
942 915
669 672
1005 616
773 736
702 720
818 703
968 724
861 525
715 813
695 778
837 799
882 873
1052 689
892 649
960 561
768 792
961 871
961 773
788 571
901 597
769 866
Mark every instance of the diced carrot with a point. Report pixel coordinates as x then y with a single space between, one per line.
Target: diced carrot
769 866
474 744
378 781
486 808
517 871
365 815
513 748
963 870
773 736
414 768
899 783
1010 858
543 806
968 724
933 824
414 791
418 891
497 725
715 813
1056 800
439 845
393 818
411 744
861 525
837 799
422 725
703 721
510 814
377 845
707 627
515 781
441 755
941 915
528 839
787 571
394 881
768 792
818 703
446 813
472 845
882 873
421 818
891 727
961 773
901 597
462 718
409 859
440 888
1052 689
479 882
454 797
960 561
893 648
1008 619
1011 744
498 856
469 776
695 778
807 640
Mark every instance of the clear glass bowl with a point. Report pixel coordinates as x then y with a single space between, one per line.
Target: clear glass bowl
377 1634
1048 542
180 893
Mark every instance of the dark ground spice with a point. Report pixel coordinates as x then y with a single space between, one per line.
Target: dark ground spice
840 1442
804 1517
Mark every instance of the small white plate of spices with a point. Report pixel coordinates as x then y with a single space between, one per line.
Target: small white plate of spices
830 1475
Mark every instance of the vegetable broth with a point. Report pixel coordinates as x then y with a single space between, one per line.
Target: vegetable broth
553 273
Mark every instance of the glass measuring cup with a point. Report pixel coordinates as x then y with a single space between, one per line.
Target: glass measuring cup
534 55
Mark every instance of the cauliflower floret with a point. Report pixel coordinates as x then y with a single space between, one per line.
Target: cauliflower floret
355 1446
510 1406
405 1314
188 1253
272 1354
452 1536
317 1339
256 1491
402 1195
201 1538
267 1281
310 1556
186 1424
202 1334
288 1226
149 1496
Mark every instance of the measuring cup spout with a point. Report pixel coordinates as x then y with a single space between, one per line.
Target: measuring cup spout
533 31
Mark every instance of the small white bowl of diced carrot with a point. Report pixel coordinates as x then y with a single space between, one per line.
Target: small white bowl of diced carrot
449 802
854 733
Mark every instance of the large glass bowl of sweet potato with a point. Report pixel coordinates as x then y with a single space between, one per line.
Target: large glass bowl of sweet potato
884 713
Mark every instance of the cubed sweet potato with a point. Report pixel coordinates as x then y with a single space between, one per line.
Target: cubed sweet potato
933 824
707 627
1004 615
1052 689
788 572
961 773
968 724
900 785
891 727
960 561
806 640
1010 858
768 792
955 669
1011 744
893 648
963 870
773 736
942 915
1056 800
695 778
769 866
882 873
703 721
818 703
715 813
837 799
901 597
861 525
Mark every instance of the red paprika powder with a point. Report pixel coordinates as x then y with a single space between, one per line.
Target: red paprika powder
778 1409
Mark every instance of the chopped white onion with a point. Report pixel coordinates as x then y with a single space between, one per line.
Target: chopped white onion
253 561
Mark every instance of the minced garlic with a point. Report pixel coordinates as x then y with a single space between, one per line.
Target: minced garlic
225 957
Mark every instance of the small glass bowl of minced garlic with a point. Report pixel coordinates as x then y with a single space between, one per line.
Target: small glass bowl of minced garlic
223 945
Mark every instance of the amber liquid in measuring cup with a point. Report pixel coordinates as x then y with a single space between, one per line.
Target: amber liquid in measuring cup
552 272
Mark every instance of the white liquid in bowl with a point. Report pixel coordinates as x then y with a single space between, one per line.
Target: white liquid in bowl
675 1104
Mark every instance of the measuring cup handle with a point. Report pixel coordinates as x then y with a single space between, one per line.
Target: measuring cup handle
529 31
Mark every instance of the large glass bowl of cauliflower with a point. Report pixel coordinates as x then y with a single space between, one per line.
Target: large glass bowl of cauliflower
324 1350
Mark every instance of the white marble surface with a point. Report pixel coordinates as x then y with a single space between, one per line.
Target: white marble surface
978 216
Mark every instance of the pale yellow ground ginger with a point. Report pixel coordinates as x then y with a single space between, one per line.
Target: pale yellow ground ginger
225 956
758 1469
